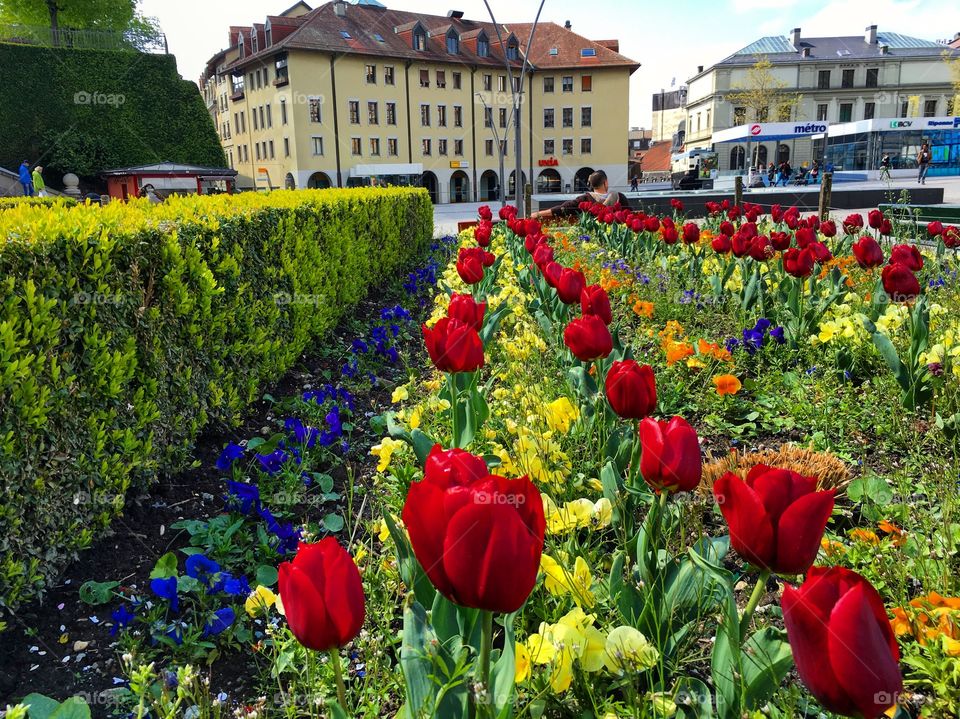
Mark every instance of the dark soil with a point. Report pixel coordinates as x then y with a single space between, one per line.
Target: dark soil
61 647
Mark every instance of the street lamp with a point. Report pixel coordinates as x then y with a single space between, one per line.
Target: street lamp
516 90
488 112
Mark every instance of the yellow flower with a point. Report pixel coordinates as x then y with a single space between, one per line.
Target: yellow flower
414 422
627 650
521 662
559 581
260 600
561 414
595 484
400 394
384 451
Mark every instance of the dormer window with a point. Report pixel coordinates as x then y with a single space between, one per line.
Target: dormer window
253 41
240 43
513 51
419 39
453 43
483 45
268 33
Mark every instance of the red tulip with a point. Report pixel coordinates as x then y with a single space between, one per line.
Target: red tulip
481 233
631 389
542 255
551 273
470 268
900 283
868 252
479 539
322 595
805 236
467 310
776 517
886 227
670 235
721 244
935 228
507 212
733 213
670 459
724 205
727 228
455 466
454 346
749 229
853 223
676 204
843 645
951 236
908 256
761 249
797 262
594 300
776 213
875 219
821 253
651 224
828 228
588 338
740 243
569 285
484 213
532 242
691 233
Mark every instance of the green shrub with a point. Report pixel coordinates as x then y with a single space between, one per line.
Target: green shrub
8 203
126 329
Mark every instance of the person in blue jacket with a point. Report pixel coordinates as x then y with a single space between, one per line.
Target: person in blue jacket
26 179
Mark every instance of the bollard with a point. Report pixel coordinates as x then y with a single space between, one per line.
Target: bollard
826 187
738 190
527 199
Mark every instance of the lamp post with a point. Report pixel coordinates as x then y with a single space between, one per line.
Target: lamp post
488 112
516 89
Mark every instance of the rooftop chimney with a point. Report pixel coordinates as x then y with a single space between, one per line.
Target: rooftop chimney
699 69
870 35
795 37
340 8
567 25
457 14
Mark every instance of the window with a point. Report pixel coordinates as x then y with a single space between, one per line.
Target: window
375 146
388 75
373 113
823 79
483 45
763 114
355 147
424 78
392 147
739 115
930 108
904 108
873 76
456 81
262 123
371 72
441 147
846 111
314 104
488 147
487 83
344 34
548 117
354 112
548 147
513 50
548 84
586 145
453 43
257 149
502 83
283 111
425 115
503 117
419 40
441 115
488 117
822 111
286 147
282 72
269 116
568 83
869 110
568 146
255 125
426 148
391 113
586 83
846 78
271 149
457 116
441 79
458 148
378 37
568 117
586 117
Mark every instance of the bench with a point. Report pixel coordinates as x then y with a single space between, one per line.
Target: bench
925 213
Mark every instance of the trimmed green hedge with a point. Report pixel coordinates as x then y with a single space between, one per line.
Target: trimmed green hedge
8 203
125 329
86 111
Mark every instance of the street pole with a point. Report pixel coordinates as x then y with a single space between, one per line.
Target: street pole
496 138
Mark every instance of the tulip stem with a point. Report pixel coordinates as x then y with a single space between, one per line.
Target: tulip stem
753 602
452 387
338 675
486 644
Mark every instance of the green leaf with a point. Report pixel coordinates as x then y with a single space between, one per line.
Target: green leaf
890 356
41 707
693 699
765 661
411 572
422 444
336 711
324 481
165 567
333 522
97 592
503 673
266 575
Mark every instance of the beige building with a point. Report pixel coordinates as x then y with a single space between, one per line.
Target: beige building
879 74
358 94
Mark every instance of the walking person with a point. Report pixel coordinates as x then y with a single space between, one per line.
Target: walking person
885 167
634 184
26 179
923 162
771 175
39 186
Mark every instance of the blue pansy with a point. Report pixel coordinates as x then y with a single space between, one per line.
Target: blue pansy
273 462
288 536
202 568
121 618
230 454
222 619
243 497
166 589
302 433
762 324
358 346
777 335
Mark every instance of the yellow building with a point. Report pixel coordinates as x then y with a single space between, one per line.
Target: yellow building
358 94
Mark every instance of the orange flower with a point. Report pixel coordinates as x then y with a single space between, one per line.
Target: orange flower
726 384
864 535
677 351
713 350
897 536
832 549
901 623
643 309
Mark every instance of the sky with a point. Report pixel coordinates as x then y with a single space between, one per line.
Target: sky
668 39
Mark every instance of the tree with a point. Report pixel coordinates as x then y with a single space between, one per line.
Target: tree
953 63
763 97
115 15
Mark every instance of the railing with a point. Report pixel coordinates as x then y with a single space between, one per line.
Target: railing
146 41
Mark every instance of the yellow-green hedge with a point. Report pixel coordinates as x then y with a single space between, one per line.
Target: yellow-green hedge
8 203
125 329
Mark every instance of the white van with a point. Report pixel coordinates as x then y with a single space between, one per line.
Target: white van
693 170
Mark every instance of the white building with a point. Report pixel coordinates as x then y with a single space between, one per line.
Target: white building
841 79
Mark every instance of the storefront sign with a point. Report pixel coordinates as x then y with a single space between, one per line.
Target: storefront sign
897 124
549 162
459 164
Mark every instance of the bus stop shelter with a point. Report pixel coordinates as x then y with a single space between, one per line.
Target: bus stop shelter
753 133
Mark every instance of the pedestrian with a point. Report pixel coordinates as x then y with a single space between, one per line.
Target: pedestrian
923 162
599 193
787 172
771 175
885 167
39 186
634 184
815 172
26 179
150 193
